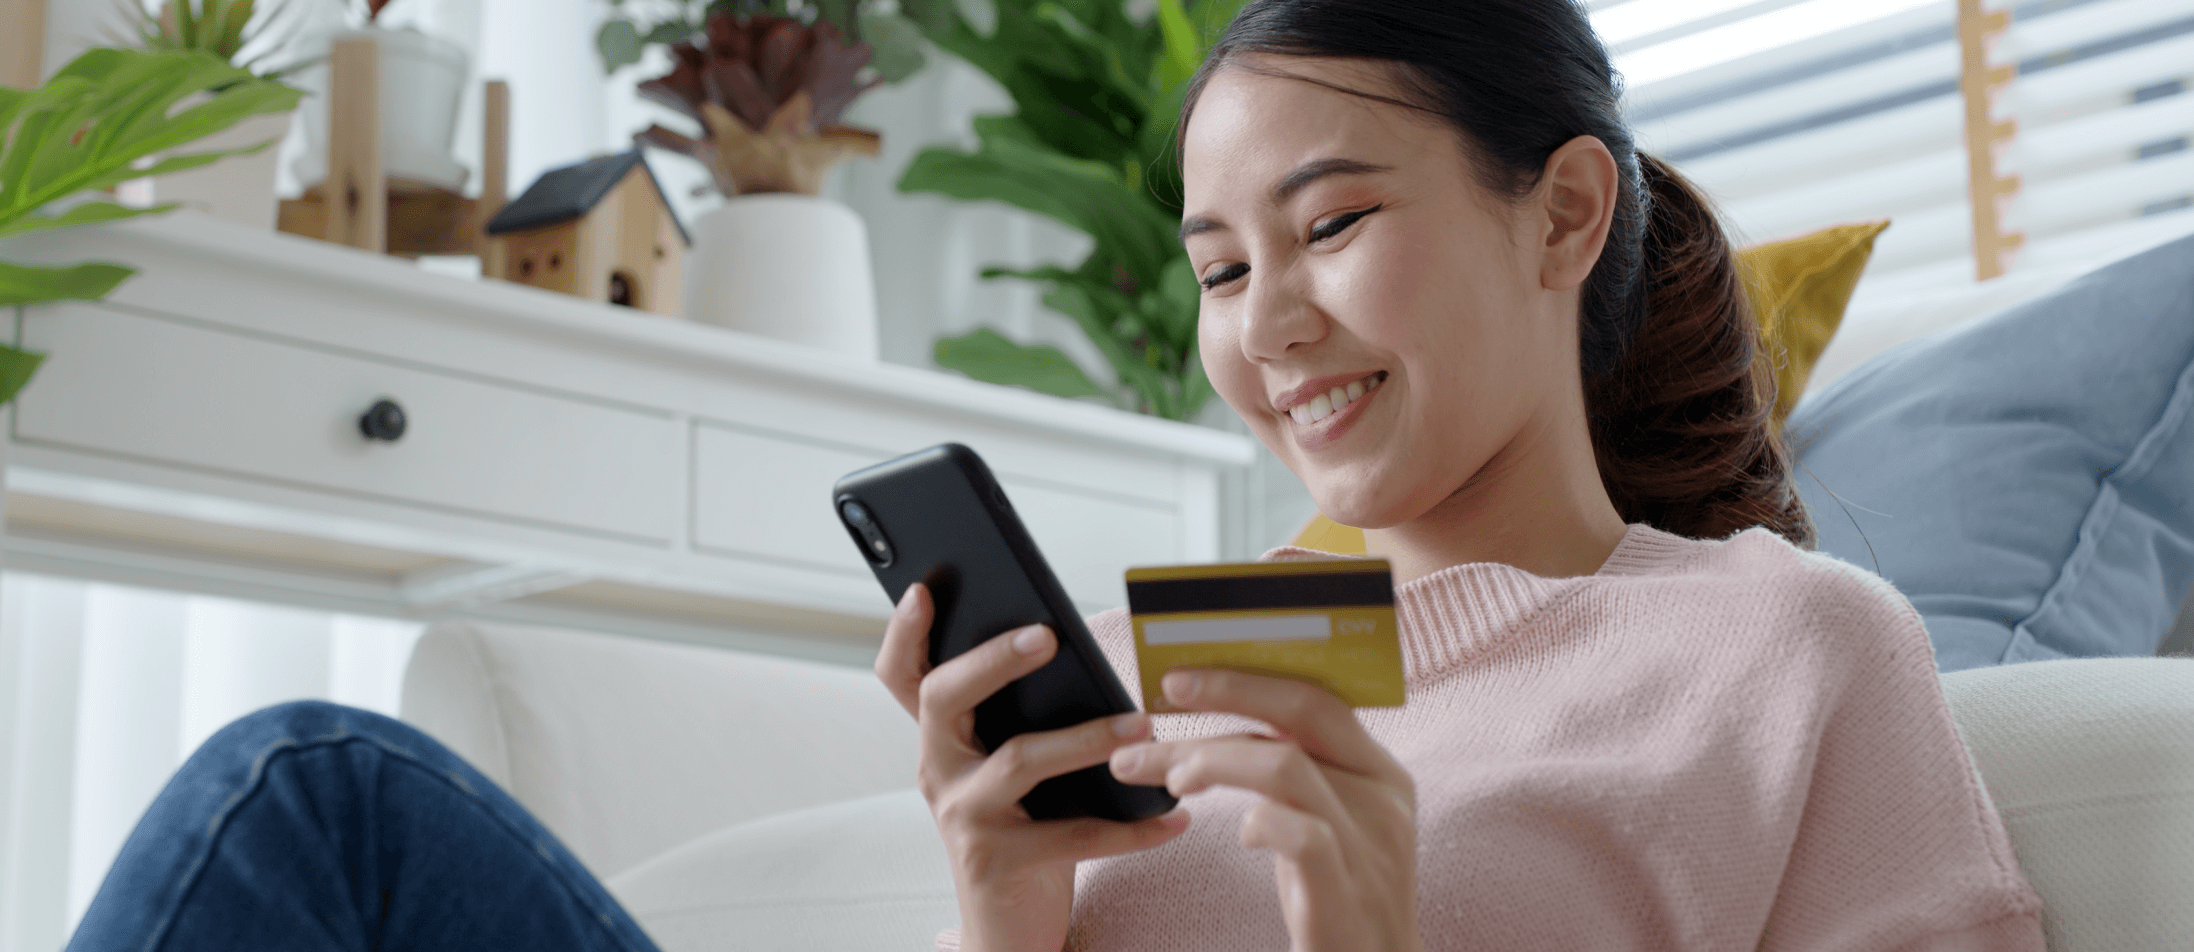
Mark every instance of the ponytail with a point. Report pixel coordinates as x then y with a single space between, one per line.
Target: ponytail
1681 422
1679 412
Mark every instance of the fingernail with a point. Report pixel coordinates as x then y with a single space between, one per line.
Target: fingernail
1180 686
1128 725
1031 640
906 599
1126 759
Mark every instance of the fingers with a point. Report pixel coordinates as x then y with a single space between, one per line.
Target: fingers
1020 764
1082 839
905 655
1294 834
946 699
1275 769
1305 713
956 686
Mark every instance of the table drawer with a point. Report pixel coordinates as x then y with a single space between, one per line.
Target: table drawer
151 389
766 496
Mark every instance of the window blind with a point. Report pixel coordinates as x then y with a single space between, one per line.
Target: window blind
1798 114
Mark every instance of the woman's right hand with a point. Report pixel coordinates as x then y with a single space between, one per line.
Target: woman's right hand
1014 875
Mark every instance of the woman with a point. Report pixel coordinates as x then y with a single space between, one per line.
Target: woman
1442 286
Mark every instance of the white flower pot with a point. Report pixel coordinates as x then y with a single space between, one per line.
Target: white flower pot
422 84
793 267
239 188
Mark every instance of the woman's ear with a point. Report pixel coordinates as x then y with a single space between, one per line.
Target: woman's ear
1577 194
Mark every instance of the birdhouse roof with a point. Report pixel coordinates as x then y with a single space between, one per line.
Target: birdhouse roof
561 195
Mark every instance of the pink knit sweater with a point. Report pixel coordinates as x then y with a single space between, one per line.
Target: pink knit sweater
1705 745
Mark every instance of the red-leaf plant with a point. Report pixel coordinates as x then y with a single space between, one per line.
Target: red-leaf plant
768 92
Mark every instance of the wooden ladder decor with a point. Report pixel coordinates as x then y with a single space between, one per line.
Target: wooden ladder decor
22 43
1985 135
360 205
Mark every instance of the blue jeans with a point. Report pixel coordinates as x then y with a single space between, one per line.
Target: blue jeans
313 826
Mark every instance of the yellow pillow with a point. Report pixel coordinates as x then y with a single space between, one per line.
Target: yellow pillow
1798 290
1326 535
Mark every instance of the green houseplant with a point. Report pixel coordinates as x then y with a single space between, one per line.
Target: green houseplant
768 92
1090 146
84 129
894 30
224 28
257 36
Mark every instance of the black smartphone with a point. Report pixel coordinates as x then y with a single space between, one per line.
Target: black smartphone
939 518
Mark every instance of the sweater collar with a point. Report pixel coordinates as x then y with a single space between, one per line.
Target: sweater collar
1464 610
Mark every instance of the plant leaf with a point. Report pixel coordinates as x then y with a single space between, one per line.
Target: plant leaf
935 17
85 282
16 367
898 44
110 107
1085 196
671 31
981 15
88 213
988 356
175 163
618 42
1183 48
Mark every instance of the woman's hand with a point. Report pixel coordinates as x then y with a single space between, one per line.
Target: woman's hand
1339 814
1014 875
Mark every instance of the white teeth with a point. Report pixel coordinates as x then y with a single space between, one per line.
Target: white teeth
1326 404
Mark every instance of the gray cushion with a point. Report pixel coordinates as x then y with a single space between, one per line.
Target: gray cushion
2027 479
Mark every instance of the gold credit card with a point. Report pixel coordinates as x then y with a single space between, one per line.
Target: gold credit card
1329 622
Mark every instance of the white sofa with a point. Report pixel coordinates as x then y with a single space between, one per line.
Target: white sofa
729 800
735 801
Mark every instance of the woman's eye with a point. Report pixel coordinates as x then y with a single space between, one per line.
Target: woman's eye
1339 223
1224 275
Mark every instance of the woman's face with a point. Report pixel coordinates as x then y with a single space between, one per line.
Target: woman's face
1383 322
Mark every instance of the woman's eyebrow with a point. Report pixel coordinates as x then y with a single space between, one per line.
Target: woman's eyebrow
1287 186
1314 170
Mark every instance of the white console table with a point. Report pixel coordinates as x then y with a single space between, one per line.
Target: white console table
562 463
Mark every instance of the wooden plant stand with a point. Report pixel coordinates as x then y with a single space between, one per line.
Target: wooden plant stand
393 215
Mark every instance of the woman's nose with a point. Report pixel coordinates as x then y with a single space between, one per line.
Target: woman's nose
1278 316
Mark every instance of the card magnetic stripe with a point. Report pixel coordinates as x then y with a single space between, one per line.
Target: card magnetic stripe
1256 592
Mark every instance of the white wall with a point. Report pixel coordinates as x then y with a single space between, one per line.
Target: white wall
104 690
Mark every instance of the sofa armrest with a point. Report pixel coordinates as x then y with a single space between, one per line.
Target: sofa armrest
2091 764
627 748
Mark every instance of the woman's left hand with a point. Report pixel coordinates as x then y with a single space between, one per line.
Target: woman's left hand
1339 814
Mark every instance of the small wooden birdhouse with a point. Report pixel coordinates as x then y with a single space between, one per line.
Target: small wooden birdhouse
599 230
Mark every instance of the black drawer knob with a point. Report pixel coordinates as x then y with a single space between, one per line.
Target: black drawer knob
382 421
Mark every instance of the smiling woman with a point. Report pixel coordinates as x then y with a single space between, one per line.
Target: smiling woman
1540 327
1440 284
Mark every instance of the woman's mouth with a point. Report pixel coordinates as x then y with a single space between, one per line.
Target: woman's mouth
1315 410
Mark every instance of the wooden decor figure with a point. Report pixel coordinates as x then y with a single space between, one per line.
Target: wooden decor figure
599 230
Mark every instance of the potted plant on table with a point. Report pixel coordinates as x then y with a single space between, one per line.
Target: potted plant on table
422 85
250 37
769 93
84 129
893 28
1090 145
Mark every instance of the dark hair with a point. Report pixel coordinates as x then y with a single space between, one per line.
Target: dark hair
1679 407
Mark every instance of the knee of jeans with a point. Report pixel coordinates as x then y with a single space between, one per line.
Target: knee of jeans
299 721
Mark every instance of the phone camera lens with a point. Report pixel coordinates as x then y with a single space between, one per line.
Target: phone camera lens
856 513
